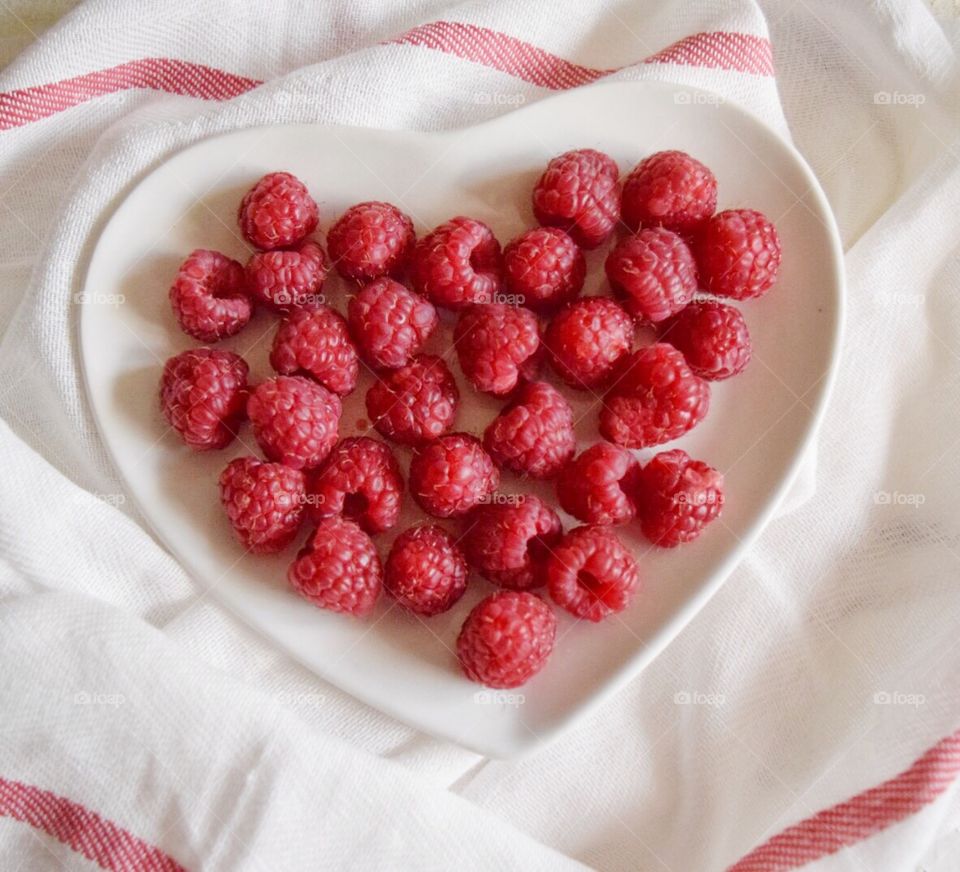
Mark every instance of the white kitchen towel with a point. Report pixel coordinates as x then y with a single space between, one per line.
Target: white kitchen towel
808 715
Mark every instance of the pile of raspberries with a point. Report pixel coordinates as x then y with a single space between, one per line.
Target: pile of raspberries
675 263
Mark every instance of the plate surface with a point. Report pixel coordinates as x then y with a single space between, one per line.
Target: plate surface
756 432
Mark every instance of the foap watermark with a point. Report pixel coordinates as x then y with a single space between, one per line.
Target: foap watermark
899 98
301 700
503 299
488 98
895 498
696 697
97 298
115 500
499 499
499 697
308 499
90 697
307 301
897 697
697 98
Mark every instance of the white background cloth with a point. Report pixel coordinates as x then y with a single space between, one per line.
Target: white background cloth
127 689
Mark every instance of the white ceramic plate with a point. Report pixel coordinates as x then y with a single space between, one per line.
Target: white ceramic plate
758 427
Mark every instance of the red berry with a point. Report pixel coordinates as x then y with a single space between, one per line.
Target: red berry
587 339
597 486
371 240
451 475
508 542
506 639
497 346
456 264
316 342
390 323
292 279
425 570
543 268
738 252
677 497
579 193
203 395
533 434
656 398
712 336
416 403
277 212
653 273
264 502
360 480
294 420
591 574
209 297
669 189
339 568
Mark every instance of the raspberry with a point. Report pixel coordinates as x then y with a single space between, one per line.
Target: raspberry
277 212
653 273
316 343
425 570
371 240
506 639
579 193
264 502
497 346
712 336
203 395
390 323
677 497
669 189
533 434
294 420
415 403
208 296
508 543
544 268
738 252
655 399
591 574
360 480
339 569
587 339
457 263
285 280
450 476
597 486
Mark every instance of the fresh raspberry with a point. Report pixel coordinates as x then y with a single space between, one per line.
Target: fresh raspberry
653 273
390 323
450 476
277 212
457 263
360 480
533 434
285 280
712 336
579 193
203 395
677 497
544 268
415 403
586 340
339 569
497 346
738 252
591 574
425 571
316 342
509 542
669 189
294 420
209 297
656 398
506 639
371 240
264 502
597 486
